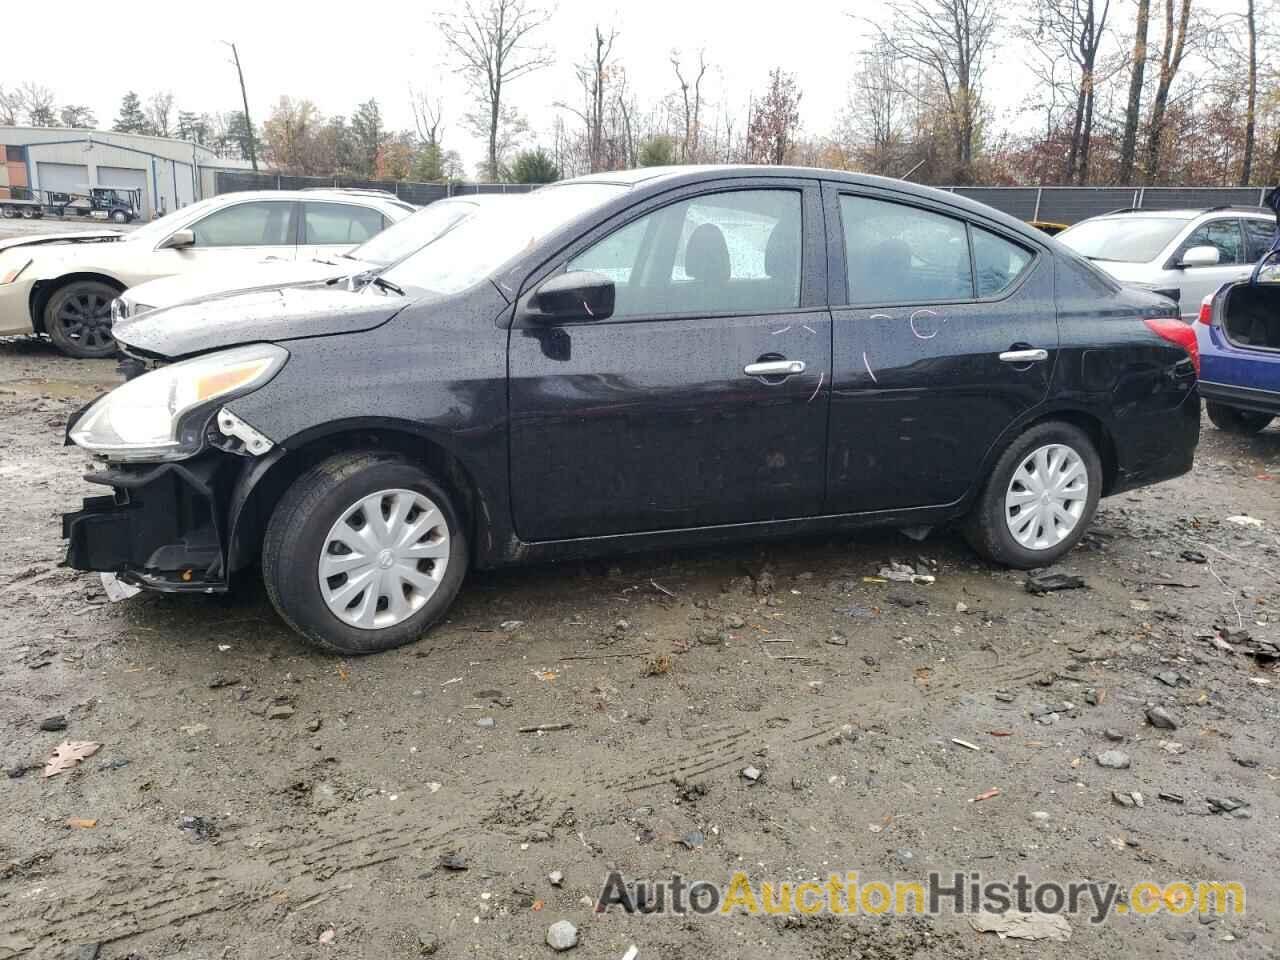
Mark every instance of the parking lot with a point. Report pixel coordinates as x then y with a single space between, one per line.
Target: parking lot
254 798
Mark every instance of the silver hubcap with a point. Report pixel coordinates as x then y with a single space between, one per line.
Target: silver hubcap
384 558
1046 497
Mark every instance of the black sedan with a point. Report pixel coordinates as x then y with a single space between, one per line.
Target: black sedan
627 361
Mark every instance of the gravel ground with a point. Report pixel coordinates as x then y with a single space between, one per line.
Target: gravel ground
326 792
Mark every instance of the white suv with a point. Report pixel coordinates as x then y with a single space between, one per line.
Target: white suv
63 284
1185 254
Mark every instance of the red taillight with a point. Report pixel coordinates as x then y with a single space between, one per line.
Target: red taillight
1175 331
1206 311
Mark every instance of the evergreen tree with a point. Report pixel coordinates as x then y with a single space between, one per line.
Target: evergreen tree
131 118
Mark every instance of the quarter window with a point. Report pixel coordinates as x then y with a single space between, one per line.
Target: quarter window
1258 235
245 225
1221 234
733 252
340 223
997 263
900 254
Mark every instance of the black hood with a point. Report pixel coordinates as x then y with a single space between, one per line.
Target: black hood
281 313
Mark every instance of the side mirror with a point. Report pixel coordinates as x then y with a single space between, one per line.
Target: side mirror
178 240
575 297
1200 257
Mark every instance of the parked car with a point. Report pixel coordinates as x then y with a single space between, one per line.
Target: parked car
1183 254
396 242
63 284
628 361
1239 341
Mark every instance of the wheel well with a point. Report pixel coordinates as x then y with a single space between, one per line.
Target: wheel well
1096 430
445 468
44 289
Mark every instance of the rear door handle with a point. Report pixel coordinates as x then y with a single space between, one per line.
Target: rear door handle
774 368
1024 356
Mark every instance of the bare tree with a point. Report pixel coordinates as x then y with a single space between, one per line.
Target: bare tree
950 39
244 98
37 102
1251 103
491 40
691 99
1133 111
77 116
159 110
428 116
10 108
1171 54
875 120
594 77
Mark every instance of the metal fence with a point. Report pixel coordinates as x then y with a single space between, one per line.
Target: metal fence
419 194
1052 204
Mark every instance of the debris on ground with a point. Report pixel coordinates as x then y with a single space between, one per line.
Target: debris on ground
82 823
751 774
1114 760
1244 520
1048 582
1160 717
986 795
198 828
544 727
1023 926
453 861
53 724
562 935
556 878
1232 806
67 755
900 572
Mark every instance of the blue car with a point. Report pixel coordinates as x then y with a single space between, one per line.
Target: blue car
1239 337
1238 333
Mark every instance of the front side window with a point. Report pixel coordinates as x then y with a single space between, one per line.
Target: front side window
732 252
1223 235
997 263
900 254
1259 236
262 224
342 223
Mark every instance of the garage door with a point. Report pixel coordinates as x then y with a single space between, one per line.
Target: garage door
127 178
63 177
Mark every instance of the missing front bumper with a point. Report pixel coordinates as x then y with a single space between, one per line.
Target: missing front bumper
161 527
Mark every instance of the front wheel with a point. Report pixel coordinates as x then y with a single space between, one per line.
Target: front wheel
1039 499
1234 420
119 216
78 319
364 553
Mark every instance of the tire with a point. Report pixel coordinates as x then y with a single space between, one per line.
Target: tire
987 529
119 216
298 539
1234 420
28 213
78 319
8 212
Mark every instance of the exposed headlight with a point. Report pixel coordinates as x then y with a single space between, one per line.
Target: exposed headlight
162 415
14 272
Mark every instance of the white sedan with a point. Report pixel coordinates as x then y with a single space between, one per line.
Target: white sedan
396 242
63 284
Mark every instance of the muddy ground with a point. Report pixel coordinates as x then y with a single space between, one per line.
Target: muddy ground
321 833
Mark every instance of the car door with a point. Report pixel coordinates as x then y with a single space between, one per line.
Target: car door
702 400
233 236
944 332
330 229
1196 283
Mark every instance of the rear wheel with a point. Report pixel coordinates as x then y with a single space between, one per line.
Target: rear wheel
364 553
78 319
1234 420
8 212
28 213
1039 499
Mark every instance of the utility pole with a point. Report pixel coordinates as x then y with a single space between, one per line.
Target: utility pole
244 97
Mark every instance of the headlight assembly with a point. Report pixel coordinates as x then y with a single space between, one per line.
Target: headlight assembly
162 415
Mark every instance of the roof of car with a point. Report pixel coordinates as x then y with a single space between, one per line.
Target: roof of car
1189 213
310 194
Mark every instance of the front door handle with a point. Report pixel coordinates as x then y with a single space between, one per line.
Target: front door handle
773 368
1024 356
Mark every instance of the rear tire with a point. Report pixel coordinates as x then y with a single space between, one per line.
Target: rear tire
78 319
300 543
990 526
1234 420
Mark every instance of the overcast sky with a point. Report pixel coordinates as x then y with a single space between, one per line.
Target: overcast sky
339 54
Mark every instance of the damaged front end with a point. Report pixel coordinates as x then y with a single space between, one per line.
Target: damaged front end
173 456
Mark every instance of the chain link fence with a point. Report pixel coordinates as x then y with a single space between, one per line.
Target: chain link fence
1065 205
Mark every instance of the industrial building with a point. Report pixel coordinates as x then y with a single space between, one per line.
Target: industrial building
169 173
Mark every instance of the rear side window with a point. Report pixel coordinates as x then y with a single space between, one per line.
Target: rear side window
1258 235
263 224
997 263
900 254
1221 234
340 223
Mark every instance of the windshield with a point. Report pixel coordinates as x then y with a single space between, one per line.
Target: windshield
413 233
476 247
1126 240
157 230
